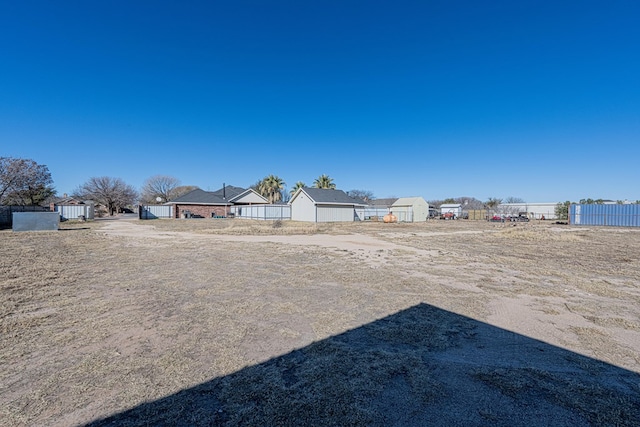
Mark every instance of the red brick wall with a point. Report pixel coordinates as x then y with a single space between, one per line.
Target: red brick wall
201 210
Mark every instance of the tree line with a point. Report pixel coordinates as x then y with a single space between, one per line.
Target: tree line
25 182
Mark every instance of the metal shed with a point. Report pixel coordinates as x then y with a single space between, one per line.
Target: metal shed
323 205
611 215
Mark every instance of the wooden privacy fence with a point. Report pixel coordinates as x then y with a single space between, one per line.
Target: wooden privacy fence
477 214
6 212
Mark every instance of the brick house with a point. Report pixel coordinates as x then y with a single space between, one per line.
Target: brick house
211 204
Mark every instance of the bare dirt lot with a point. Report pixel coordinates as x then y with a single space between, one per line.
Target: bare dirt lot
232 322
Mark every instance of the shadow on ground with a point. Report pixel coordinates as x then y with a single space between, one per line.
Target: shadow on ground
421 366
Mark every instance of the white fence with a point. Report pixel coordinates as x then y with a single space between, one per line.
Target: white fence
75 211
155 211
263 212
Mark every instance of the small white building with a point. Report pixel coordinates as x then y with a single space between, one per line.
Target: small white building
454 209
410 209
323 205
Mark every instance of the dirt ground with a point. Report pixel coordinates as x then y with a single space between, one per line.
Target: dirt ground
234 322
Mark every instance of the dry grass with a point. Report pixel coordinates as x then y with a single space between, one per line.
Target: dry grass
240 227
92 325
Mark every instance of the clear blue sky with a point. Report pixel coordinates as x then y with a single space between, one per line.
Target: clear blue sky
533 99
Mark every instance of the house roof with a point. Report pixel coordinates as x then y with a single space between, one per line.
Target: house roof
200 197
383 202
68 201
248 193
229 192
327 197
224 196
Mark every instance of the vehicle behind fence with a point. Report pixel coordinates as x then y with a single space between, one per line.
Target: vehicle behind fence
612 215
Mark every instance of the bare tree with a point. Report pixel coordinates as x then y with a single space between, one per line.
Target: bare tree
113 193
512 199
162 186
468 203
24 182
182 190
364 195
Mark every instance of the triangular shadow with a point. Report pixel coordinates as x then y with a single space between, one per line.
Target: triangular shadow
422 366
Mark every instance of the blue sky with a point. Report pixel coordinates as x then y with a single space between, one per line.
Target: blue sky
532 99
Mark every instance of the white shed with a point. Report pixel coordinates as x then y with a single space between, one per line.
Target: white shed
323 205
410 209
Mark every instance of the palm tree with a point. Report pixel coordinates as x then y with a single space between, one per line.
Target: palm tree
271 187
323 181
295 188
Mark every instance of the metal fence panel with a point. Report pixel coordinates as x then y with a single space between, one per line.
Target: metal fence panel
262 212
75 211
35 221
155 211
605 215
335 213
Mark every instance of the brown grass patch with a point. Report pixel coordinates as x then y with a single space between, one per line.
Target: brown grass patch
93 324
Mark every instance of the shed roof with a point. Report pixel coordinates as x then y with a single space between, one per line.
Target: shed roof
409 201
450 205
200 197
69 201
383 202
326 196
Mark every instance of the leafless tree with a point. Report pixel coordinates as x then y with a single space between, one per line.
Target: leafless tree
24 182
467 202
113 193
512 199
182 190
162 186
364 195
